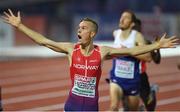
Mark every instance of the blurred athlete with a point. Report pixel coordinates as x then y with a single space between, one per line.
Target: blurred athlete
147 92
125 75
85 59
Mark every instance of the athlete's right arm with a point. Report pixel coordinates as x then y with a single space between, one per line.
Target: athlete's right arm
63 47
15 21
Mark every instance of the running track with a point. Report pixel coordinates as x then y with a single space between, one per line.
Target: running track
43 84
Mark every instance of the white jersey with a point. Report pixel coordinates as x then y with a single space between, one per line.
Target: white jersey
119 42
125 67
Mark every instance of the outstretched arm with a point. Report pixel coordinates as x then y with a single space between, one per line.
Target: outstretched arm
15 21
162 43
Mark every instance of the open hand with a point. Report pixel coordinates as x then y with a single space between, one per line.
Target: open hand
167 42
11 19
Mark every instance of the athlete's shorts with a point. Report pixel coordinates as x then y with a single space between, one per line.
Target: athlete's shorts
78 103
125 73
128 89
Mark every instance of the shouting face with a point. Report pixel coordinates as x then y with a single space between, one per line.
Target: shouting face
85 33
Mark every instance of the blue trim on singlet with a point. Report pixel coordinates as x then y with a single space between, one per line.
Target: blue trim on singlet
127 84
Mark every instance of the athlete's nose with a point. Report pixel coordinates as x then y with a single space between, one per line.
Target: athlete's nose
79 31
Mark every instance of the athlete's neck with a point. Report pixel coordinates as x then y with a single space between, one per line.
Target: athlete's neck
125 33
87 49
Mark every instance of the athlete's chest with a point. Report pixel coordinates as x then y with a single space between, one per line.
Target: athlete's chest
81 62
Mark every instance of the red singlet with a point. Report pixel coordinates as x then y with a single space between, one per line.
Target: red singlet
85 72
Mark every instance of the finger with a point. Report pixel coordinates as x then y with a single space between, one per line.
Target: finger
174 45
175 40
173 37
10 12
6 21
18 14
164 36
5 13
4 18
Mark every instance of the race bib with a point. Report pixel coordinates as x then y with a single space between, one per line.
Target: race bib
124 69
84 86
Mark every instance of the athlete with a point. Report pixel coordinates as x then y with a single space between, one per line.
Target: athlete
125 75
147 92
85 59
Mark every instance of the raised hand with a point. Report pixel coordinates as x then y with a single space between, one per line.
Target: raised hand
167 42
11 19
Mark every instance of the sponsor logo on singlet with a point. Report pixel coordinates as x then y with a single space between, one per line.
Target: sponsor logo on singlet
92 61
133 91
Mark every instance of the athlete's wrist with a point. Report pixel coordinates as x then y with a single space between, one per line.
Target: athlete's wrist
157 45
18 25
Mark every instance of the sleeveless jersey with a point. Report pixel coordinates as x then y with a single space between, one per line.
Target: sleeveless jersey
142 67
129 42
125 70
85 73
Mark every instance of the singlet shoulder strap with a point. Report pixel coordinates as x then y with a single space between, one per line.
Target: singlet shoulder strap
76 47
133 34
116 32
96 48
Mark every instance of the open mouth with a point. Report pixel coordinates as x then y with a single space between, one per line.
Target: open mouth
79 37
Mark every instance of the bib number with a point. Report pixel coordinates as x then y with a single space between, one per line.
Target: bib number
124 69
84 86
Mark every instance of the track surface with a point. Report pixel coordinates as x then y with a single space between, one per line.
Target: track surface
43 84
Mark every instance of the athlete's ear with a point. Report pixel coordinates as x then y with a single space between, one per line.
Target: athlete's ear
92 34
132 24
